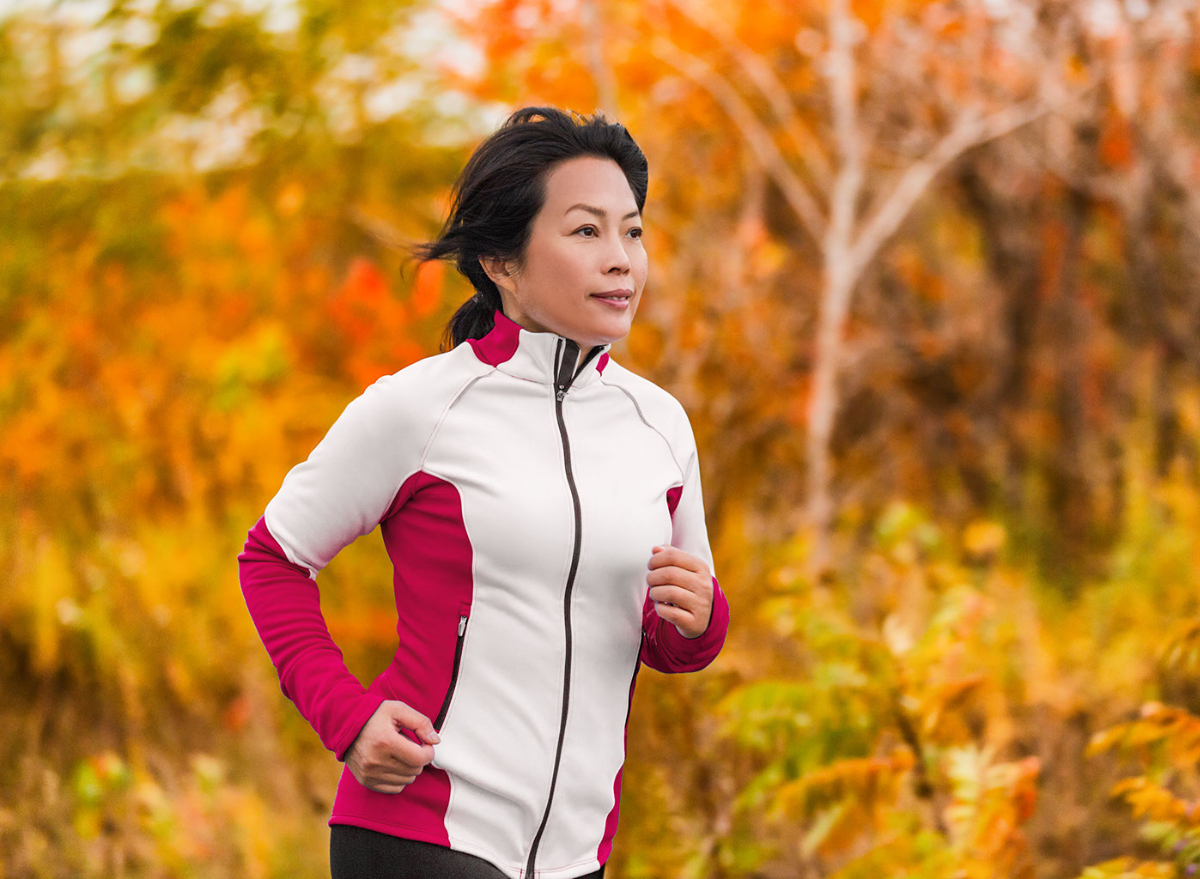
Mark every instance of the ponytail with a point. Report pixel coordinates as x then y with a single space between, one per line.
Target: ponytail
473 320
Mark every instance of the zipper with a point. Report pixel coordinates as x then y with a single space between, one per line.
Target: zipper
565 373
464 611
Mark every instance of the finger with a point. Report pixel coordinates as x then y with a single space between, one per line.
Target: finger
389 760
411 753
397 763
413 719
673 555
410 736
674 595
671 575
397 777
391 773
676 615
387 788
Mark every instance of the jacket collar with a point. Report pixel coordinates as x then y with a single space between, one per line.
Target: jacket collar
537 357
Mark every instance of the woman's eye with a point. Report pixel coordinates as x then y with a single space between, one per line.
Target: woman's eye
636 231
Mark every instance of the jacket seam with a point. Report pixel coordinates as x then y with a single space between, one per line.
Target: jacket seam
645 421
470 843
287 552
377 820
437 427
428 442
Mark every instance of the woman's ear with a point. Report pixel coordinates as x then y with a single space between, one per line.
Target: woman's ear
499 271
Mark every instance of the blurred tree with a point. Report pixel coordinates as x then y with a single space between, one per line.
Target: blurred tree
914 95
199 208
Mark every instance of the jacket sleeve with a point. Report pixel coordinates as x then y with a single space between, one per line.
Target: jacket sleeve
663 647
342 491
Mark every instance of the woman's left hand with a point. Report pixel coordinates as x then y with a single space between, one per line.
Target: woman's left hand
681 586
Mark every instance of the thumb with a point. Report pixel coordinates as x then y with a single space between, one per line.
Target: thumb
411 718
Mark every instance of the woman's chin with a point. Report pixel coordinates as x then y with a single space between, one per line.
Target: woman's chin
608 335
610 328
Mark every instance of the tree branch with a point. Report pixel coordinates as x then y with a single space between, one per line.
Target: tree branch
752 129
773 90
971 131
843 99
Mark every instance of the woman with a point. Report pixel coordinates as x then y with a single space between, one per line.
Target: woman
542 509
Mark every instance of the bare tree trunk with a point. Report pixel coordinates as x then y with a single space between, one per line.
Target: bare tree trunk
1069 494
1148 62
1011 258
1149 286
847 243
839 278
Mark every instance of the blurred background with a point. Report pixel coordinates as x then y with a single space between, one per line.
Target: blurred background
926 276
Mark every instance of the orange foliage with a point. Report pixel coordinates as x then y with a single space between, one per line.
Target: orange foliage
374 323
1116 142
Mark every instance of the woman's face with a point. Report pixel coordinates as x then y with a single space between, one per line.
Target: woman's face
585 245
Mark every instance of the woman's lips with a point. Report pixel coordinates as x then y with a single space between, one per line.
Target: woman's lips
615 298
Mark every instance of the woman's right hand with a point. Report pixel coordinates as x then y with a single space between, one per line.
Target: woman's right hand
384 759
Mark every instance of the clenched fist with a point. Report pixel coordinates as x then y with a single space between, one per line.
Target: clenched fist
384 759
681 586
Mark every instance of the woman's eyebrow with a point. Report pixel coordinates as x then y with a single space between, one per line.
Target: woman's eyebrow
599 212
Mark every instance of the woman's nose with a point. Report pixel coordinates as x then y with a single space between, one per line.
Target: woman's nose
617 258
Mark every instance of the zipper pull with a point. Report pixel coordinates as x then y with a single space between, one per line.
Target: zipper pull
565 357
462 624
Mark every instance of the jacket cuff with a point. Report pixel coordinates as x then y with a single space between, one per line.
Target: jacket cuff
666 650
363 711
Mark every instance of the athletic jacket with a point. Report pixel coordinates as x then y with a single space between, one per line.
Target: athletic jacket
519 499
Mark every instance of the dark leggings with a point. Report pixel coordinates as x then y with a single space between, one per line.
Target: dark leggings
359 853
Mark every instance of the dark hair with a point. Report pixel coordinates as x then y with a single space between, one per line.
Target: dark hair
502 188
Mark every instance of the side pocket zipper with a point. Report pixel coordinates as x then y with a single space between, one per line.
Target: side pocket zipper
458 647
